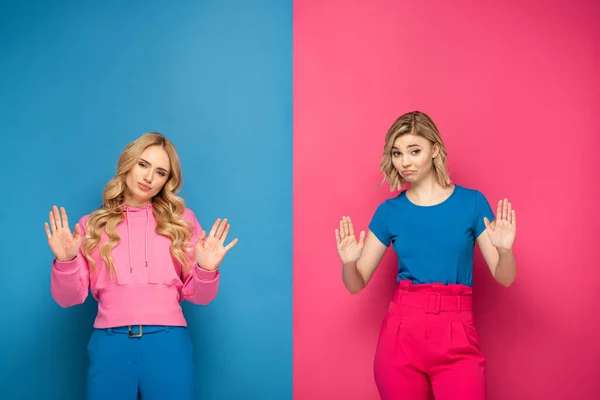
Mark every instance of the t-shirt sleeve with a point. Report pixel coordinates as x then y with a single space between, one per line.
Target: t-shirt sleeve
482 209
378 225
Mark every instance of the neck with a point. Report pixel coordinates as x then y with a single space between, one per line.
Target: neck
427 190
131 202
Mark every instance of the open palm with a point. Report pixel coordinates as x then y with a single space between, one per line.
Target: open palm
503 230
64 244
349 249
211 250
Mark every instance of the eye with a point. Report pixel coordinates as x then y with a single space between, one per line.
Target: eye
395 153
415 152
141 164
161 173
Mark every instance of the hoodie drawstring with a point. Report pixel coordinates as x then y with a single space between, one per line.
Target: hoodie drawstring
129 242
146 234
145 243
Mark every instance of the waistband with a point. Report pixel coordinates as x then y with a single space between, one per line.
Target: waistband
145 304
434 298
138 330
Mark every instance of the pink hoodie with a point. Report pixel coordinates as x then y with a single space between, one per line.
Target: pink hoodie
149 290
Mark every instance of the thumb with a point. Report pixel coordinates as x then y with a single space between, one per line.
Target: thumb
486 221
361 240
202 236
77 234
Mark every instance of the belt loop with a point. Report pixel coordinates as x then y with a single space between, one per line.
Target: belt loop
405 285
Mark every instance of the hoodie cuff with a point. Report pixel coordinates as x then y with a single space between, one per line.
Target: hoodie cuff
65 266
204 274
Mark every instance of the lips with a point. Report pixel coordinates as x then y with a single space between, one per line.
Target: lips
407 172
144 187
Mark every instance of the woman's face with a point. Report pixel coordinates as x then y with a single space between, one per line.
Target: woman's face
412 156
147 177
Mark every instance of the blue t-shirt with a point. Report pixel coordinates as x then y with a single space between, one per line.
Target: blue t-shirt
434 244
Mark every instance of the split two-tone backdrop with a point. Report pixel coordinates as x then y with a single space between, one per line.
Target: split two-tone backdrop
279 111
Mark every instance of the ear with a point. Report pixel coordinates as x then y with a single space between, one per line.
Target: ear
435 150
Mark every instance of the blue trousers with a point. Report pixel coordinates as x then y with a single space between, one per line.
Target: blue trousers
154 364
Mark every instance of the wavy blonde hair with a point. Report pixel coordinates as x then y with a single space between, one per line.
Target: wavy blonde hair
168 207
420 124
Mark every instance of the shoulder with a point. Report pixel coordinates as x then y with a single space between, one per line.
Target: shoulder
468 194
391 203
83 222
189 215
465 191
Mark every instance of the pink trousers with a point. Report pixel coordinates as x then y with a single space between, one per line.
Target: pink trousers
428 346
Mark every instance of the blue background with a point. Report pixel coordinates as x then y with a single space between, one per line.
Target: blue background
81 79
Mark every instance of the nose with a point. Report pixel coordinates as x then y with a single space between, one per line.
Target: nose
148 176
405 162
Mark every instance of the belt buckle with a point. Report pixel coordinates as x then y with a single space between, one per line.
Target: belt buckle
134 335
433 302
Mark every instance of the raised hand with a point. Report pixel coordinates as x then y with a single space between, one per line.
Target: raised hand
504 228
348 248
63 243
210 250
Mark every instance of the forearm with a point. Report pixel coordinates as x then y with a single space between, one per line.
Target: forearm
352 278
506 269
68 282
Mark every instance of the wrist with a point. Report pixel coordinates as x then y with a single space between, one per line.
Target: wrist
504 251
207 268
65 261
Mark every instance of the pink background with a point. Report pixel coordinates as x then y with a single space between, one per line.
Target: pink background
514 89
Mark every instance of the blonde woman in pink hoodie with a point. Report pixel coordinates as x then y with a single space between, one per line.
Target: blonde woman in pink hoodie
141 254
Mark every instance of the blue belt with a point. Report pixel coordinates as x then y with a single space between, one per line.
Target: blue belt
136 331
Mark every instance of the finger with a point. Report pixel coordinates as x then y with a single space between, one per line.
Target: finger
361 240
64 219
514 218
230 245
56 217
214 227
350 226
225 232
77 231
499 210
224 225
509 212
47 228
52 222
342 232
346 227
505 210
202 236
486 221
337 237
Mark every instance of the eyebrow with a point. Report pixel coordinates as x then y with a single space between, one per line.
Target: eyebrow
409 146
141 159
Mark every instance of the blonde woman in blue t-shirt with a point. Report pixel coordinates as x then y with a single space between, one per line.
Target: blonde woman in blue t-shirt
428 342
